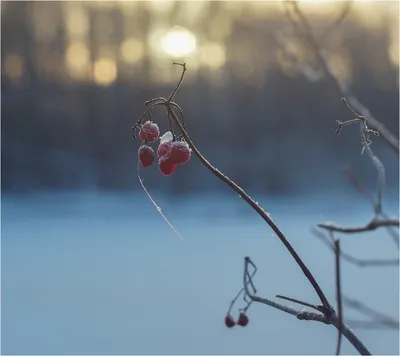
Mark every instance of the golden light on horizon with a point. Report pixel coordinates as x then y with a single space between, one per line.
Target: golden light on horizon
77 60
131 50
314 2
178 42
212 55
104 71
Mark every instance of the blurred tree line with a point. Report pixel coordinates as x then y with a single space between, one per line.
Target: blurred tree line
75 76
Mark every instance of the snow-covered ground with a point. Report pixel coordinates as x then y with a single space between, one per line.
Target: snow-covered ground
96 273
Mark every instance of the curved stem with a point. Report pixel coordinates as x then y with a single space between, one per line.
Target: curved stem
264 215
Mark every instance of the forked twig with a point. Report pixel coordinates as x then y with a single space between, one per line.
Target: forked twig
376 221
305 29
242 290
333 319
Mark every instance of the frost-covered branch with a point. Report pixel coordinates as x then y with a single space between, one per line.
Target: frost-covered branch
304 28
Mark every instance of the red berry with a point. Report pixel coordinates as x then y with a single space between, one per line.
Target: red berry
146 155
229 322
180 152
243 319
149 132
166 166
164 149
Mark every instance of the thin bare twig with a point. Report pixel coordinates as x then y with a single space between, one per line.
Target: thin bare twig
354 260
375 315
298 302
343 90
183 65
338 21
372 225
303 314
365 133
376 221
338 292
312 74
242 290
361 115
361 189
372 324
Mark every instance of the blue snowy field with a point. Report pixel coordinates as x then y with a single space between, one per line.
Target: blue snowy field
97 273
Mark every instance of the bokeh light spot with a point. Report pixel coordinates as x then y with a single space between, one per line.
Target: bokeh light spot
104 71
213 55
132 50
77 60
178 42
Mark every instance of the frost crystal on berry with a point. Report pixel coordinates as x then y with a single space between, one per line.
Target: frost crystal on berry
167 137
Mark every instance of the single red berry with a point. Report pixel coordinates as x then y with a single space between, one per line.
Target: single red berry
166 166
229 322
164 149
149 132
243 319
180 152
146 155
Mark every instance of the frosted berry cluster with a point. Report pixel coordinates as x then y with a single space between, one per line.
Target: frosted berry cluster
170 152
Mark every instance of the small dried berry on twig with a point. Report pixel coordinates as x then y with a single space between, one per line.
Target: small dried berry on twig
229 322
243 319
